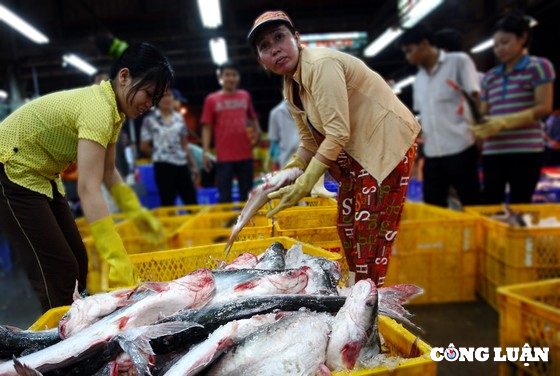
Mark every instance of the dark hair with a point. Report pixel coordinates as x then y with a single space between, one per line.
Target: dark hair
416 34
516 23
227 65
448 39
147 65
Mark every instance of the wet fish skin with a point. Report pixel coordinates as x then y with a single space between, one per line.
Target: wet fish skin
259 196
272 258
194 290
351 326
85 311
14 341
277 349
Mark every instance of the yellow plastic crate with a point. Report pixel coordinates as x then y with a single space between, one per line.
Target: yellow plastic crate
445 276
212 228
172 264
172 211
311 225
530 313
488 291
520 246
397 339
308 202
502 273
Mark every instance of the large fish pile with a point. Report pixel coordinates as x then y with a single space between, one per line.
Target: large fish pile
278 313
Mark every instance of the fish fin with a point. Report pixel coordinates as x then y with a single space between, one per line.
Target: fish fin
136 342
23 370
323 370
156 286
76 295
350 353
414 349
391 299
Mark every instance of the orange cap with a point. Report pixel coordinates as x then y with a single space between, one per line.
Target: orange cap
265 18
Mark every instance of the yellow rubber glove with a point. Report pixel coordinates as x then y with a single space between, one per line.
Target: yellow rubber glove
290 195
111 249
295 161
495 124
149 226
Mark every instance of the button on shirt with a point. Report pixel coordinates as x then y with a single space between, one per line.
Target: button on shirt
446 131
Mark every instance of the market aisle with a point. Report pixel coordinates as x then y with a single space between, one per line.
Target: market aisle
18 305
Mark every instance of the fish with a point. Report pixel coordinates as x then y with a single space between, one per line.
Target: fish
351 326
245 260
293 345
193 290
221 339
272 258
15 341
258 197
85 311
231 284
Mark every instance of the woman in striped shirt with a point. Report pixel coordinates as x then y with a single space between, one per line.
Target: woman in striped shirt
515 95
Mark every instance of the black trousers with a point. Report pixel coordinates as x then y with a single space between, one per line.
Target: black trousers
226 171
520 170
459 171
45 237
173 180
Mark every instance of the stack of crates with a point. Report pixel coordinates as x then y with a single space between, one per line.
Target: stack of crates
530 314
216 227
436 249
512 254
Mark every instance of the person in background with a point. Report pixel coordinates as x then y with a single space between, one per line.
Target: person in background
225 115
552 137
450 151
448 39
515 95
164 138
40 139
348 118
284 142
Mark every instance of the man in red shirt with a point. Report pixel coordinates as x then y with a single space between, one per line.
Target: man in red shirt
226 115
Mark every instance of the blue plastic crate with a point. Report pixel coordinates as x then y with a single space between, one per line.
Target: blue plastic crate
208 196
147 177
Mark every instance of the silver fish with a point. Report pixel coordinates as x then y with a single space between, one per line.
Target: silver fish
351 325
294 345
192 290
85 311
259 196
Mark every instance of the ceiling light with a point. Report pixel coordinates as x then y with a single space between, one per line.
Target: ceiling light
210 13
79 63
22 26
489 43
218 49
403 83
412 14
3 95
332 36
382 41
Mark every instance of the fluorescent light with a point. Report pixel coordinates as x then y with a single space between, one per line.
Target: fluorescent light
218 50
489 43
418 11
403 83
79 63
3 95
210 13
382 41
333 36
22 26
